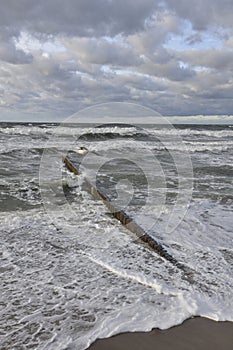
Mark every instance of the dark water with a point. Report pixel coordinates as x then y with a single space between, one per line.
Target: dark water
70 273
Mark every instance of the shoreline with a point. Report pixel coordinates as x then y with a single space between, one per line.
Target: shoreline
197 333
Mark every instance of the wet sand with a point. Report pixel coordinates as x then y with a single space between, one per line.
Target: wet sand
194 334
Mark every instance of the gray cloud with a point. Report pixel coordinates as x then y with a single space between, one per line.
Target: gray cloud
77 17
204 13
213 58
81 52
102 51
9 53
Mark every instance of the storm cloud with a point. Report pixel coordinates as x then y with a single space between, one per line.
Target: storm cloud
173 56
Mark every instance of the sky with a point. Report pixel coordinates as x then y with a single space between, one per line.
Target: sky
57 57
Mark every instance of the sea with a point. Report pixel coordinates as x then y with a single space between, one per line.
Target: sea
70 272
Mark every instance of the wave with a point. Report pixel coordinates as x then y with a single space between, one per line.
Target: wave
123 146
193 132
197 146
112 132
26 130
21 151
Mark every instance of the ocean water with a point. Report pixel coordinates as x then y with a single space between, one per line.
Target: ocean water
71 273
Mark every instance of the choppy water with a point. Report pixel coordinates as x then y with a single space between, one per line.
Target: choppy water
66 282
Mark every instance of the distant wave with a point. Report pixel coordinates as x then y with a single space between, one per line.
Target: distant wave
111 132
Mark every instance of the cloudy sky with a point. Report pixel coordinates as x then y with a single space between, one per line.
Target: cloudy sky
56 56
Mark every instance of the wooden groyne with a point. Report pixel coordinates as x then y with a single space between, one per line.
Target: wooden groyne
125 219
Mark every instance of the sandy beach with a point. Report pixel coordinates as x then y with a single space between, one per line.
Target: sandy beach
194 334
